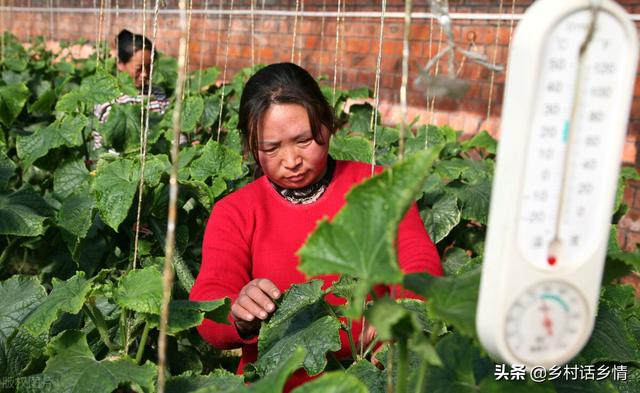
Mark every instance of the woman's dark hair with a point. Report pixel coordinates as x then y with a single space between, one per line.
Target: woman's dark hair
129 43
282 83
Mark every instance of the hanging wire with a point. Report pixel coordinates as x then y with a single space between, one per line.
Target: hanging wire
224 72
493 61
342 43
107 31
215 60
376 88
253 33
322 23
202 40
295 30
300 37
51 20
99 53
511 23
405 76
173 199
2 30
335 58
190 14
435 73
262 24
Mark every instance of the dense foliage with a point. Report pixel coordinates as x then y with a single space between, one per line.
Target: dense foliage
77 313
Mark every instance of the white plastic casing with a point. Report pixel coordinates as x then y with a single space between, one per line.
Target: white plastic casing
507 273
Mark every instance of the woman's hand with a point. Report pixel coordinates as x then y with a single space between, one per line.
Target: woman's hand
253 305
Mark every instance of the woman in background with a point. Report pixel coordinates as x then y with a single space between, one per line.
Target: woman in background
134 58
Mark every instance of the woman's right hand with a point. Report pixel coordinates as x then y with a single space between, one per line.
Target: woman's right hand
253 305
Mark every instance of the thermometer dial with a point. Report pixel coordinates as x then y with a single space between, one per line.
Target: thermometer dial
568 91
545 321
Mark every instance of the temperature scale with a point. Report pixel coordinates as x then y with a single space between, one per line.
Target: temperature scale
568 91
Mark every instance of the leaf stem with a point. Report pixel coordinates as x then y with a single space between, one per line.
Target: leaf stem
346 328
403 360
143 342
422 373
5 252
98 320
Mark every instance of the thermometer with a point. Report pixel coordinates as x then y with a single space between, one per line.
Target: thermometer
569 86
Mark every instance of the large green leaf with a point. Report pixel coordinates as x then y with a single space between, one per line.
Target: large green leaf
66 131
352 148
370 375
392 320
219 380
12 100
76 214
443 216
121 131
360 239
23 213
66 296
452 299
613 338
202 80
300 321
275 381
140 290
481 140
333 382
72 368
191 113
19 296
474 199
7 169
360 117
184 314
216 161
96 89
116 184
70 178
296 298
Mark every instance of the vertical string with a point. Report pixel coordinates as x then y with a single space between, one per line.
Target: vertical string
205 21
224 72
493 61
262 24
300 37
376 88
190 13
335 58
2 30
405 76
253 33
342 43
173 199
322 23
215 60
435 73
50 20
511 23
295 30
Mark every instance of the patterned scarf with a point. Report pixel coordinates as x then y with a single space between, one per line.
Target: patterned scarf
310 193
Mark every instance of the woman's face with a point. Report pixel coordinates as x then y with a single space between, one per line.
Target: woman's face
134 67
287 152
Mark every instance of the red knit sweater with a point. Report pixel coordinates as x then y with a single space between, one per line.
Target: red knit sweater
255 233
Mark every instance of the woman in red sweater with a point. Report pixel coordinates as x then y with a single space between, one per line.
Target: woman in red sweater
251 239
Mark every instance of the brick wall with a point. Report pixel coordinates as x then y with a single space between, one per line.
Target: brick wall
315 49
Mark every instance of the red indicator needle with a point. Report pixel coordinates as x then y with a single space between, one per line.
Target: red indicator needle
547 322
551 260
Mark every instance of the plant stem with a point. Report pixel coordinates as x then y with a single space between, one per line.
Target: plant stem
5 253
143 342
403 360
345 327
98 320
370 347
422 373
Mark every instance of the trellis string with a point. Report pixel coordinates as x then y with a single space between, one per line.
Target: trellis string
173 199
224 72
